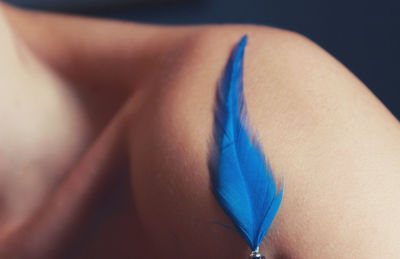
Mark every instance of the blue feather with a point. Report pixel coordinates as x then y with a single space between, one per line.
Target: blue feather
243 182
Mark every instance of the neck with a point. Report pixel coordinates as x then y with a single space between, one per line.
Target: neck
102 61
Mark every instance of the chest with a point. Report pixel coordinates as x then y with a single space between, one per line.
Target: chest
43 132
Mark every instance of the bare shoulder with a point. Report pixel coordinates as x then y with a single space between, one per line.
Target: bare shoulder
319 125
335 143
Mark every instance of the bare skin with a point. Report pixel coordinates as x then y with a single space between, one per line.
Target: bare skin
108 118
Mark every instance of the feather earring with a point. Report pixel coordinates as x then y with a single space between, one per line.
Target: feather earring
242 181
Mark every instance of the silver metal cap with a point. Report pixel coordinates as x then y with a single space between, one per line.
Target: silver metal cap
256 255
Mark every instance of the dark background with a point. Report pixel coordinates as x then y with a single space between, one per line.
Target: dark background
363 34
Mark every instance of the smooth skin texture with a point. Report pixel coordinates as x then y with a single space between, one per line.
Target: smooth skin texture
105 132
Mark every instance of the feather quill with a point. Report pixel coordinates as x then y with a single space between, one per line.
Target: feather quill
242 180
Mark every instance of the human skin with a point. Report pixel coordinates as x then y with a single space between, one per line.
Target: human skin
110 118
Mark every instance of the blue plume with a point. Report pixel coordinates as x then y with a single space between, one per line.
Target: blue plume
243 182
